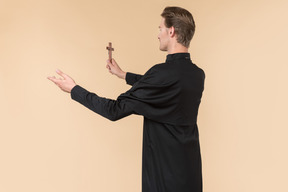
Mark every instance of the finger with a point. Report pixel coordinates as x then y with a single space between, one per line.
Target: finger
54 79
114 62
59 72
51 78
109 66
109 62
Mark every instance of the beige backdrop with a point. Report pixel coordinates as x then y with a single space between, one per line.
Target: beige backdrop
49 143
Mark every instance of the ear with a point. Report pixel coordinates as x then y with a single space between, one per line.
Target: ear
172 31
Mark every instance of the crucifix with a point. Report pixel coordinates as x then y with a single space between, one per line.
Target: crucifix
110 49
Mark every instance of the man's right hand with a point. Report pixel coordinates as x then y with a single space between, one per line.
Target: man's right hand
114 69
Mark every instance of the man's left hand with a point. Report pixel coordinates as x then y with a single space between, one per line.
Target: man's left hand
65 83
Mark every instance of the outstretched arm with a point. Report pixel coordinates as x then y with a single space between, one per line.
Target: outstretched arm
108 108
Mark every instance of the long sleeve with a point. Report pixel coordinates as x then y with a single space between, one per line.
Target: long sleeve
108 108
132 78
141 99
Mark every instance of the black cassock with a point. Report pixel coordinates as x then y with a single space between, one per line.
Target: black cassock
168 96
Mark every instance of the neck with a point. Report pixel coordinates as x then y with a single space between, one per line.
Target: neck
177 48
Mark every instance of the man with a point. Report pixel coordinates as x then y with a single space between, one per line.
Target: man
168 96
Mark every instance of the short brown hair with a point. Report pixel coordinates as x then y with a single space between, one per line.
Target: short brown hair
183 22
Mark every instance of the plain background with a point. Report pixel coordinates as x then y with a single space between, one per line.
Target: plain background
48 142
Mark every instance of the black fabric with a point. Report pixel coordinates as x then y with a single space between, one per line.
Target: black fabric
168 96
132 78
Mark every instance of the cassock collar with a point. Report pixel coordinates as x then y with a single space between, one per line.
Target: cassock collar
177 56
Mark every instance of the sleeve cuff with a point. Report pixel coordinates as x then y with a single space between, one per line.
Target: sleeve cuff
77 91
129 78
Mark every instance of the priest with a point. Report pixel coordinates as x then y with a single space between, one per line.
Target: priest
168 96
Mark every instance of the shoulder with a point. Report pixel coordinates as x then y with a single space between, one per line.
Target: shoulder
158 74
199 70
156 68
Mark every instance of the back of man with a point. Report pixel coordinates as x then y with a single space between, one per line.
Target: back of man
168 96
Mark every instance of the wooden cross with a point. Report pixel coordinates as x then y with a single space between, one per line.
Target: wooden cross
110 49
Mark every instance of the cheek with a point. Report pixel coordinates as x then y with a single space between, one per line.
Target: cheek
159 34
162 34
